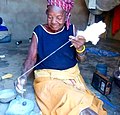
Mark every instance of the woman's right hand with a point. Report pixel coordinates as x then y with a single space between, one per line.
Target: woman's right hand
21 81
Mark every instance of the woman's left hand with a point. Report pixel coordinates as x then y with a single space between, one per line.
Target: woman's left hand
77 41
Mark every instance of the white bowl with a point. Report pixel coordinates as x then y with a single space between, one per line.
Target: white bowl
7 95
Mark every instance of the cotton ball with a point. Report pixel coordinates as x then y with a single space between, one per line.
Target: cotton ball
92 32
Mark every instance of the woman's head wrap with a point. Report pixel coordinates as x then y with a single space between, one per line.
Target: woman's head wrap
66 5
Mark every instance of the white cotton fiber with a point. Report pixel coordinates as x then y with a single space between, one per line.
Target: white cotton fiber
92 32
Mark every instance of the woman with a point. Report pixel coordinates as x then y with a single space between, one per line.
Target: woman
59 87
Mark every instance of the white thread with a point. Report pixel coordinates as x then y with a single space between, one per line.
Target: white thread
45 58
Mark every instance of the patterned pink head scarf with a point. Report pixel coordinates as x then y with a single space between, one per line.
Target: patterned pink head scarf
66 5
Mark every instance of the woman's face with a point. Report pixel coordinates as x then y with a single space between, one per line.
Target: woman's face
55 18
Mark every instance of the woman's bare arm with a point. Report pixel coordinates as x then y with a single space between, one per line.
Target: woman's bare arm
32 56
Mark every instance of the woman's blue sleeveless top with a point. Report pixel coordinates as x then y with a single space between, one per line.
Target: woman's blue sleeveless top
48 42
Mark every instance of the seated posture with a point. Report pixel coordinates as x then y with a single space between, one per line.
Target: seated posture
59 87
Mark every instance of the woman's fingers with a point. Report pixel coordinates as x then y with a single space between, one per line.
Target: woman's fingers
77 41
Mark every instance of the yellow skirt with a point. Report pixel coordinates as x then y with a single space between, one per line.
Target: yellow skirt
63 92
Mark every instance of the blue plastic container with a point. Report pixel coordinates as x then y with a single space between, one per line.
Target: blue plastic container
101 68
